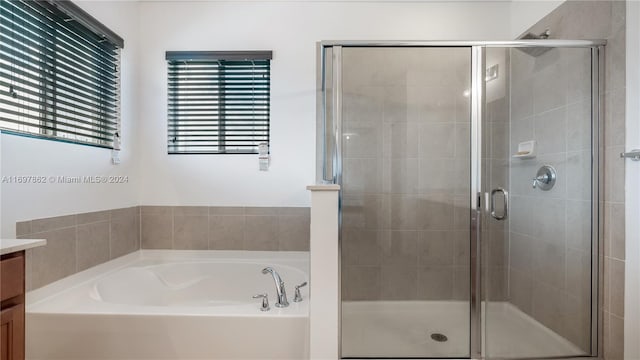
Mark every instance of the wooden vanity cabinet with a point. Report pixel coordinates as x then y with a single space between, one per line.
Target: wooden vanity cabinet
12 306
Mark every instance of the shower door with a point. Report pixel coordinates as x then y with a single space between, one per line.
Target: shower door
539 258
405 175
469 218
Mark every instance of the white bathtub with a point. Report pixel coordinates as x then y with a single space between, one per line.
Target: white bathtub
168 304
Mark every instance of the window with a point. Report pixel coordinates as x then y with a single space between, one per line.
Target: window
218 101
59 73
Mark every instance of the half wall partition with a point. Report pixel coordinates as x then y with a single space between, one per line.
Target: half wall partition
469 202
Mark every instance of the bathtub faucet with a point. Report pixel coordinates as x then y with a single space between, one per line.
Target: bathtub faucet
282 294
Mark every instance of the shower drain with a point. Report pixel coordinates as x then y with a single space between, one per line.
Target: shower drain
439 337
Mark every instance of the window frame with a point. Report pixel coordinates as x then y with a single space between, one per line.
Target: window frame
222 129
48 29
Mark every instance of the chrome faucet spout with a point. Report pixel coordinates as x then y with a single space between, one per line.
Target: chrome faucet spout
280 289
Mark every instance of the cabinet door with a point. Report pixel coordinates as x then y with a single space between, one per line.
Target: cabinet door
12 337
12 275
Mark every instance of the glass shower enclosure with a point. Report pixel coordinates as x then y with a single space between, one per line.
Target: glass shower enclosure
469 218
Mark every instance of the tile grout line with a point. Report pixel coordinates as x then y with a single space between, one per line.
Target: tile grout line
77 245
110 238
173 227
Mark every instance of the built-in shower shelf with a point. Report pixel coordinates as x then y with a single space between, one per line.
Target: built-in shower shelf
526 150
523 156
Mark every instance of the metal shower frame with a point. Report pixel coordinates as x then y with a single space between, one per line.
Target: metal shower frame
329 159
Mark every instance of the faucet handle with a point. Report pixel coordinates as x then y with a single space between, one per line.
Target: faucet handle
298 296
265 301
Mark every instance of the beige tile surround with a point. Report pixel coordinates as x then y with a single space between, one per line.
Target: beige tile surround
79 241
605 20
224 228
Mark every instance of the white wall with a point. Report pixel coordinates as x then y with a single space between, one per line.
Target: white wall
291 30
28 156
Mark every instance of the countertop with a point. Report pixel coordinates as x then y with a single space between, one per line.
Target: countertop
8 246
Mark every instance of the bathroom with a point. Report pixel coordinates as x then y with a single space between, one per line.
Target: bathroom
148 248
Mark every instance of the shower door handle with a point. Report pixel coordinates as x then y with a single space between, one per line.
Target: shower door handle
492 207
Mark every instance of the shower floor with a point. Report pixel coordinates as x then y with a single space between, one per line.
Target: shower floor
404 329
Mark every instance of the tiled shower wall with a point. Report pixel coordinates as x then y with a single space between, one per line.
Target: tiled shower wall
405 174
80 241
598 20
550 231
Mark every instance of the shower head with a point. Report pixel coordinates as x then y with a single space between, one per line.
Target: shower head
535 51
